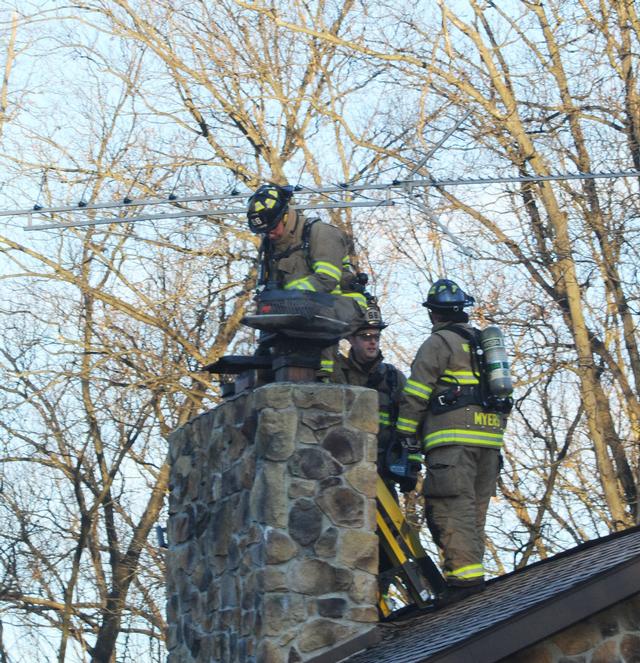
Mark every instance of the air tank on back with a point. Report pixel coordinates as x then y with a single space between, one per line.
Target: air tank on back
496 362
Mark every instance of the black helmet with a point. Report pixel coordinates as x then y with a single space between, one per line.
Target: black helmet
267 206
372 316
445 295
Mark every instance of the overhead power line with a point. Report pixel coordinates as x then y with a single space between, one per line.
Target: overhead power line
401 187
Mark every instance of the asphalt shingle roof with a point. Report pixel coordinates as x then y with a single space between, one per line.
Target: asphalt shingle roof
598 573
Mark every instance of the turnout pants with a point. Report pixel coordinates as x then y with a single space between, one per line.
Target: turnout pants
459 483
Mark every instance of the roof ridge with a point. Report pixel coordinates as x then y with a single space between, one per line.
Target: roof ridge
585 545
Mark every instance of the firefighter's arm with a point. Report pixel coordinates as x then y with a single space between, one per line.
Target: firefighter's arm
338 375
429 364
402 381
327 249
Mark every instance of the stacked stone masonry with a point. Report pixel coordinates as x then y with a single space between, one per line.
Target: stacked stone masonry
272 548
610 636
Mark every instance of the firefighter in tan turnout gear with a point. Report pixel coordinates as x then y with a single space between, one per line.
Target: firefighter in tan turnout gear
364 367
301 254
447 408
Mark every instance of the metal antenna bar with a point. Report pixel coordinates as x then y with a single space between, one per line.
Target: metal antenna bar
133 203
205 212
412 201
346 188
338 204
134 219
524 178
439 144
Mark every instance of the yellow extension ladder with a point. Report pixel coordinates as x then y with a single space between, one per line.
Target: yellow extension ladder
408 577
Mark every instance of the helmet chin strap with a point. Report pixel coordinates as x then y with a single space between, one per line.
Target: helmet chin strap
290 220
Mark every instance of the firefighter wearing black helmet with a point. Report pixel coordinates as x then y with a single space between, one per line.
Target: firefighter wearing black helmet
461 438
300 254
363 366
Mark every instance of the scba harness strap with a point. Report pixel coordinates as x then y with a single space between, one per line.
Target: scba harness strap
304 245
266 256
462 395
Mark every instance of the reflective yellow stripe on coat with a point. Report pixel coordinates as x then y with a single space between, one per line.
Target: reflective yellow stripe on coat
415 388
459 377
357 296
463 436
406 425
327 268
326 365
300 284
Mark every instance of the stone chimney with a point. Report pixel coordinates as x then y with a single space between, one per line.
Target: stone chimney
272 548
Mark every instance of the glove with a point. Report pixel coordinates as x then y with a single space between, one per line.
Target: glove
412 446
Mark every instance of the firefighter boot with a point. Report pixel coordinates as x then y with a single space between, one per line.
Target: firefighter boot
455 593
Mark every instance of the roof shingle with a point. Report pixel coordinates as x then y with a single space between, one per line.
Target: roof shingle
517 609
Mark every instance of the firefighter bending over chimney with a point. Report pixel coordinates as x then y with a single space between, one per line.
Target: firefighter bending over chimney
304 254
454 408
